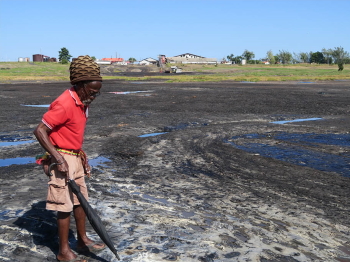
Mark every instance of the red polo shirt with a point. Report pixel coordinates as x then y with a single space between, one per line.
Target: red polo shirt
67 120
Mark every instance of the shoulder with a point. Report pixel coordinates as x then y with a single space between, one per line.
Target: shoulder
65 99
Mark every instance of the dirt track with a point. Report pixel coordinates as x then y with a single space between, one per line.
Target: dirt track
220 183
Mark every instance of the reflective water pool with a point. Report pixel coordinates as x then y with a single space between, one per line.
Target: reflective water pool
98 161
16 143
128 92
17 161
152 134
298 149
37 105
296 120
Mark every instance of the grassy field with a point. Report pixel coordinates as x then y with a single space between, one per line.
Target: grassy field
40 71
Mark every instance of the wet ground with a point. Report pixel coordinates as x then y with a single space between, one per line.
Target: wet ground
191 171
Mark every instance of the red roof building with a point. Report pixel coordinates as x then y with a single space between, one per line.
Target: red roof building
113 60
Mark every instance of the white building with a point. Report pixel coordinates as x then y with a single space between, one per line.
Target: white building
148 61
188 58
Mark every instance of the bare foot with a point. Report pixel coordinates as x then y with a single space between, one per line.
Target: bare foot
90 246
69 256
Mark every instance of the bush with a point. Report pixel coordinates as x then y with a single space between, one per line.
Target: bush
64 61
251 62
346 60
340 66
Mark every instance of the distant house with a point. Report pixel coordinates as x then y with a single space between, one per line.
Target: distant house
101 62
108 61
148 61
113 60
188 58
40 58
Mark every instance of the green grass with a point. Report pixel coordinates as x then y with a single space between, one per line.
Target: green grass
39 71
15 71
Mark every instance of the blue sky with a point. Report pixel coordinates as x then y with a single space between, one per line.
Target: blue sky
147 28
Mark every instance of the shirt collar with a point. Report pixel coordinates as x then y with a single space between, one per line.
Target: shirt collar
75 96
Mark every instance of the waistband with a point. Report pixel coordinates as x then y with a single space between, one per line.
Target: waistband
74 152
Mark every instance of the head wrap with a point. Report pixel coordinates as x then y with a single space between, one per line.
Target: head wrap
84 68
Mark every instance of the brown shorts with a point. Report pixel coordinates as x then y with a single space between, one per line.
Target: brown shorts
59 196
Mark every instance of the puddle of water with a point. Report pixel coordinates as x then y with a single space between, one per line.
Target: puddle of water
305 82
128 92
99 161
9 214
37 105
152 134
14 138
16 143
294 154
3 215
296 120
17 161
313 139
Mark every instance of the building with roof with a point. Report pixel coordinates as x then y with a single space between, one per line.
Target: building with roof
113 60
189 58
148 61
109 61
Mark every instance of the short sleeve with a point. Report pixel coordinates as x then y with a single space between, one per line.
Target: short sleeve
56 116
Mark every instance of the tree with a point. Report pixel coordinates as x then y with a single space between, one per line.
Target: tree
248 55
317 57
346 60
285 57
234 59
304 57
327 53
223 60
132 60
296 58
230 58
93 58
238 59
340 66
277 59
64 55
270 57
339 54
